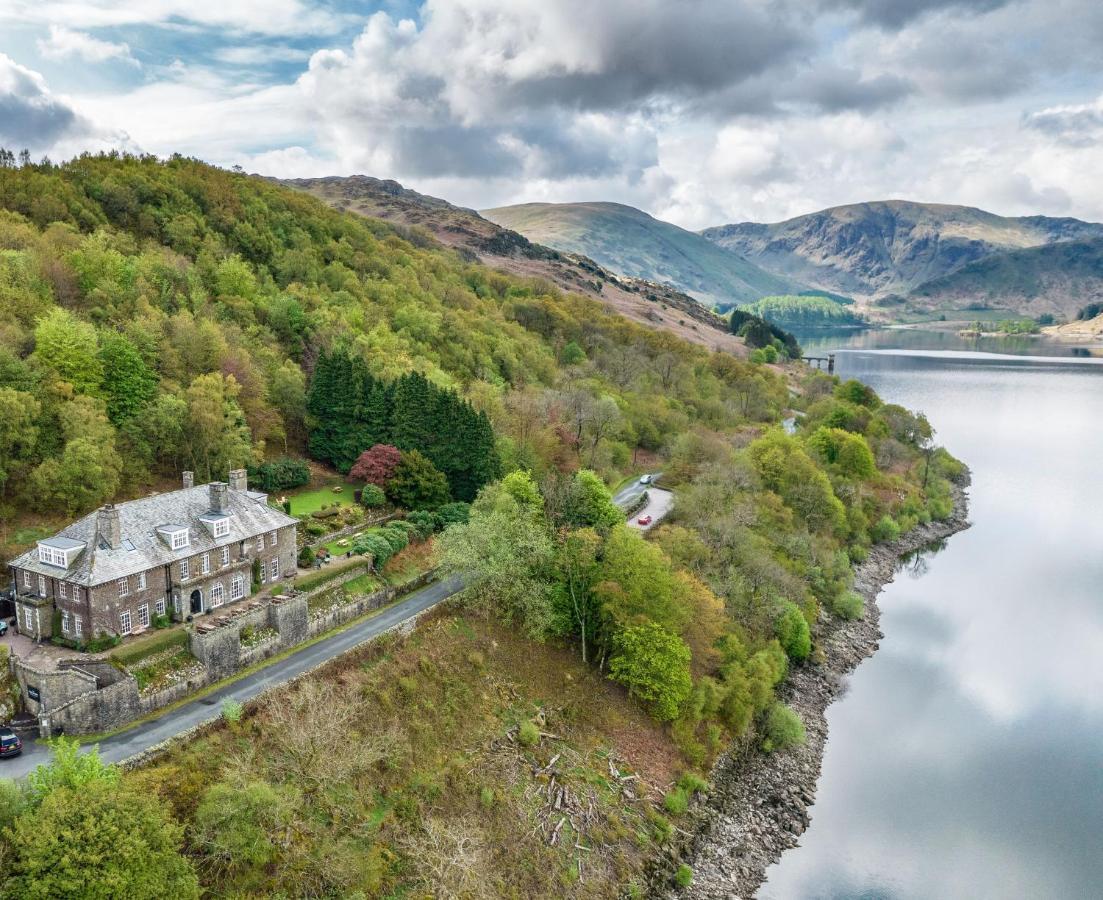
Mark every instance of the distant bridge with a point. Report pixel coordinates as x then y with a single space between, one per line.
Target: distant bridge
821 362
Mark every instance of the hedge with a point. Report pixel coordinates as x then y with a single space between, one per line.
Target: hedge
130 654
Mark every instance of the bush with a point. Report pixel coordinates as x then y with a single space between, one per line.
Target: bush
102 642
676 802
783 728
528 734
280 474
692 784
848 605
424 522
885 530
793 633
396 538
454 514
326 512
232 711
684 876
306 557
315 529
372 496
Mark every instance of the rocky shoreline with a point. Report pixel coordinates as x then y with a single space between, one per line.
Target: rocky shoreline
758 804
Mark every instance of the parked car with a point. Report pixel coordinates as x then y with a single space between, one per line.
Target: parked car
644 520
646 479
3 627
10 743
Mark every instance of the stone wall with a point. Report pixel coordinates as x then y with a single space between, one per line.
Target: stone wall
100 710
337 615
54 688
347 530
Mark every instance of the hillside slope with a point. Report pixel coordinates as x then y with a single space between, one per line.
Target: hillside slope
1058 279
649 303
870 250
631 242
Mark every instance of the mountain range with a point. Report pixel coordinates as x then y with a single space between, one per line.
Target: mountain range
900 260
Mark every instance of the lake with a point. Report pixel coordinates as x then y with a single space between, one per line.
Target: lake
966 758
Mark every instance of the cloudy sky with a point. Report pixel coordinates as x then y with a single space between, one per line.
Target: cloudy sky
699 111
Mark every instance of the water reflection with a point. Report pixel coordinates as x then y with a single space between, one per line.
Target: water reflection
818 341
917 562
966 760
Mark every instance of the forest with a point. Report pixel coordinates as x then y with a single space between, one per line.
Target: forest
161 315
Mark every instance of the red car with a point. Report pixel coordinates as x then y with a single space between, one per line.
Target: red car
644 520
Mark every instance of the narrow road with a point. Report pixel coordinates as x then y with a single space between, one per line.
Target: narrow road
627 496
658 505
141 737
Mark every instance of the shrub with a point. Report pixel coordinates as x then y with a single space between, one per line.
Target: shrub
103 642
306 557
783 728
653 664
692 784
372 496
454 514
326 512
676 802
424 522
886 529
848 605
793 633
528 734
376 465
417 483
232 710
315 529
280 474
857 553
134 653
684 876
396 538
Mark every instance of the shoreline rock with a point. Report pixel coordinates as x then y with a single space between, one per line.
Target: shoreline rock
758 805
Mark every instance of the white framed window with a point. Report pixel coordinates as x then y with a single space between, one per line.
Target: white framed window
143 615
179 539
160 606
41 586
124 622
52 556
26 578
28 618
275 568
77 626
226 556
272 539
221 527
124 586
185 569
62 590
64 622
141 581
237 587
216 594
263 573
176 603
260 543
205 563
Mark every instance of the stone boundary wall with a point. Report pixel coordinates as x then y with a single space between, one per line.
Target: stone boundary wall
91 696
347 530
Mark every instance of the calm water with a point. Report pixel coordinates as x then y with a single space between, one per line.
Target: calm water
966 759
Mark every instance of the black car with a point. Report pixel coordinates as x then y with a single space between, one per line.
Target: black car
10 743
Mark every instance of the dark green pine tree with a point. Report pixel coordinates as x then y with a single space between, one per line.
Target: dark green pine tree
320 404
378 411
412 427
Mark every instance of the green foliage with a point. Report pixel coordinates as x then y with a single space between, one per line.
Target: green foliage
853 391
886 529
70 347
70 769
786 469
417 483
802 311
453 513
279 474
232 710
306 557
237 824
528 735
589 503
683 876
847 454
99 840
13 803
676 802
129 384
654 665
133 653
758 333
848 605
793 633
372 496
783 728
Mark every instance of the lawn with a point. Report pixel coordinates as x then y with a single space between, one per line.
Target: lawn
310 500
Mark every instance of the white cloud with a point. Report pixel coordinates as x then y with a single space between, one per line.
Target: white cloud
64 43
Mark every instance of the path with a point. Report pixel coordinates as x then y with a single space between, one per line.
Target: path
148 734
659 503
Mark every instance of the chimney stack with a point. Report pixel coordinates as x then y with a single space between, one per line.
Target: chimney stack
108 527
219 498
239 480
189 479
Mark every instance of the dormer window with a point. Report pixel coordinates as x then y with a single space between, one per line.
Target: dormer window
217 523
222 528
176 536
59 551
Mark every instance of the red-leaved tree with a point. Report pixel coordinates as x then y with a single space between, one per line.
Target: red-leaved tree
376 465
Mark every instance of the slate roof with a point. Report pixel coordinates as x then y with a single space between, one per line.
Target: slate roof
143 548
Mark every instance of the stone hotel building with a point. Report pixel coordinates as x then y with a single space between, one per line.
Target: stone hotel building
178 554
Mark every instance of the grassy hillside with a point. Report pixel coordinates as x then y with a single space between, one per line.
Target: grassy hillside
160 316
869 250
1057 278
629 241
657 306
803 311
